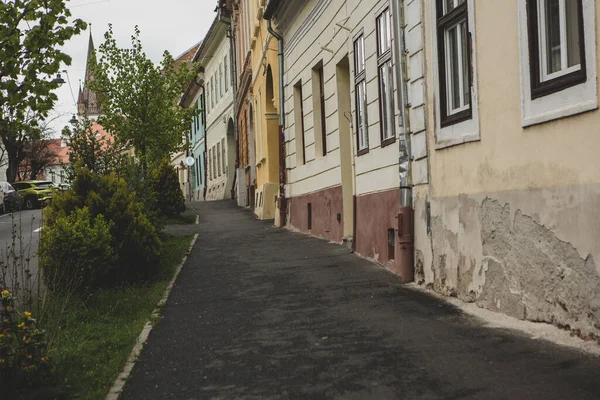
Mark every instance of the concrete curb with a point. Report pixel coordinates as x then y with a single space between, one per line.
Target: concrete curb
119 384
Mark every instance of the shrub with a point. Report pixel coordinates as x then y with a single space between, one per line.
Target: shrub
76 252
135 242
23 357
138 181
164 182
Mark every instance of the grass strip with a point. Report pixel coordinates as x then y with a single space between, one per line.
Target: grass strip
98 334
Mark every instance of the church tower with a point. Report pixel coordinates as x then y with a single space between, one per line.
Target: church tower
87 101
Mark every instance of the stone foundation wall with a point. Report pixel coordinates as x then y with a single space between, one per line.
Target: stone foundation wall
531 254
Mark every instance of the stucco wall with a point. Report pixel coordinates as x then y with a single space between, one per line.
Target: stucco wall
514 215
219 116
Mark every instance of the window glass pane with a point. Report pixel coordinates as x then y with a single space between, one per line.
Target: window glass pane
450 5
552 24
465 63
359 55
361 114
452 69
384 37
573 46
386 99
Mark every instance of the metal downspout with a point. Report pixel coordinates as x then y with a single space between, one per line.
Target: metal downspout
205 161
233 77
406 214
282 176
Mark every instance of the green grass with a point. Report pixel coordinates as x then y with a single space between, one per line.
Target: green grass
97 335
183 219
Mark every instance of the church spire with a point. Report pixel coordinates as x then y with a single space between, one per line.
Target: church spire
87 103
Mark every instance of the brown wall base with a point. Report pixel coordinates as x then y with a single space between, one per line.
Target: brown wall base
326 211
375 215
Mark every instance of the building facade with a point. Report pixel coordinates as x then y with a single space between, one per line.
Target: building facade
246 162
341 123
514 192
504 178
263 111
214 57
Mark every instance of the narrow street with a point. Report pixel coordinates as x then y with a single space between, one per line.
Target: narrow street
25 225
261 312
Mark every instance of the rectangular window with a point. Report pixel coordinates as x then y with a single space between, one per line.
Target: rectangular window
218 159
323 115
454 55
299 124
226 74
212 92
556 45
386 79
220 80
210 167
360 92
223 157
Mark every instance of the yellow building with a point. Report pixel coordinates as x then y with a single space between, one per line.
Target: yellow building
264 100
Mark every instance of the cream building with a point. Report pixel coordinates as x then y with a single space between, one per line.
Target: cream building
510 216
214 57
341 123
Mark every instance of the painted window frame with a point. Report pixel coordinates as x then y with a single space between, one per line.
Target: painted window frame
321 75
448 20
220 80
360 84
569 100
218 157
542 82
212 92
299 130
385 68
226 74
223 155
467 130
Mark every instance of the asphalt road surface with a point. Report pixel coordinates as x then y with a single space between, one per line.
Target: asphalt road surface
263 313
25 227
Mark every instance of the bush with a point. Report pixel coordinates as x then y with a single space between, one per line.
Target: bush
164 182
134 241
137 181
75 251
23 358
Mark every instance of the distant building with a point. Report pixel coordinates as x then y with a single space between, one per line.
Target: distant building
184 172
214 57
87 100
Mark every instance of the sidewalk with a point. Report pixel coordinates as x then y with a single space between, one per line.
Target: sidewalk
260 312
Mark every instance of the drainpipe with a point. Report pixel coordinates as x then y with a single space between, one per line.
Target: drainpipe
282 176
406 214
205 141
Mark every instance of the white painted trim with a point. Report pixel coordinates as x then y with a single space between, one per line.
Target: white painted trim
573 100
466 131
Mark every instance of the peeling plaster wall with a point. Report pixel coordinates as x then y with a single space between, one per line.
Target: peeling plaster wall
528 254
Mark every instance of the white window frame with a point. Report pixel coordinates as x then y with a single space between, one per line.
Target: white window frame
360 80
570 101
468 130
564 70
461 67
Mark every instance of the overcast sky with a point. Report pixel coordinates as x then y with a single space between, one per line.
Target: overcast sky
174 25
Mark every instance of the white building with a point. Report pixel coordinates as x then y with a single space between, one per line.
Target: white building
214 57
342 142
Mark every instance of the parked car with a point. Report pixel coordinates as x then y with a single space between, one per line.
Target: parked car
34 193
12 198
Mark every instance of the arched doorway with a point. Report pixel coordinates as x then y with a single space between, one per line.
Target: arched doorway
251 173
230 159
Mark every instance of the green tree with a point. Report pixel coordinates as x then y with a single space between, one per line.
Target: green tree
138 98
164 180
90 149
31 34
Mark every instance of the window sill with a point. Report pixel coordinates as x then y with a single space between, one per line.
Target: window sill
362 152
442 144
388 141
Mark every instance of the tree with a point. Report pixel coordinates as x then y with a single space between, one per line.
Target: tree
89 148
164 180
138 98
39 154
31 34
